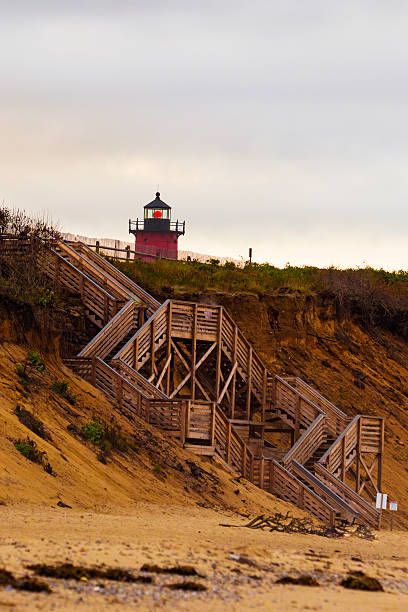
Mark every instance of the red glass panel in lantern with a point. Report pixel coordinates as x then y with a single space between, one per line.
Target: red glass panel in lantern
158 214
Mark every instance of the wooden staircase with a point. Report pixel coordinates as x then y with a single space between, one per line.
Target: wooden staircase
188 369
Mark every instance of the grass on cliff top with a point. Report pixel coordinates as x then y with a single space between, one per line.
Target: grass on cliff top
164 274
377 297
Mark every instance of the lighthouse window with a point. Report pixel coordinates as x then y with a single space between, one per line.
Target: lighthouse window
157 213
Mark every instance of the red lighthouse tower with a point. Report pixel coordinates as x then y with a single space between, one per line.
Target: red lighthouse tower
156 235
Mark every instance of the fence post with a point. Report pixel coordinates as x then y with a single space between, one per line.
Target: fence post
301 496
213 424
244 460
274 393
188 417
343 458
183 423
97 246
261 473
228 443
119 390
93 371
271 476
297 416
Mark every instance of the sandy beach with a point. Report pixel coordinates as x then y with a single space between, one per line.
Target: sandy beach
239 566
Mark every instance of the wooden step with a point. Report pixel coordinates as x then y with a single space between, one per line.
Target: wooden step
200 450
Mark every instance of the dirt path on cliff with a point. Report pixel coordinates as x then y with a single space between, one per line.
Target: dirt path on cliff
240 566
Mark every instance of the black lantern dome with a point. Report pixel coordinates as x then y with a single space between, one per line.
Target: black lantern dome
157 215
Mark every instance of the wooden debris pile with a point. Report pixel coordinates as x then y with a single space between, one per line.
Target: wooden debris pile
287 523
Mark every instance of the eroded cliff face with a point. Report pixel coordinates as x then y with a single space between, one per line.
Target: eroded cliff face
61 331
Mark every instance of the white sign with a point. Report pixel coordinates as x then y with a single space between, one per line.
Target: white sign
393 506
381 501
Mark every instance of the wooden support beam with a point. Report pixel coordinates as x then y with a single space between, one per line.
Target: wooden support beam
219 352
184 362
169 323
343 459
213 409
152 344
297 417
358 465
380 455
228 443
234 377
136 353
369 470
249 391
227 382
194 351
187 377
227 395
183 416
164 370
264 393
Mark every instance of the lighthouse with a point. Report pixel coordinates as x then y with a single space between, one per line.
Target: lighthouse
156 235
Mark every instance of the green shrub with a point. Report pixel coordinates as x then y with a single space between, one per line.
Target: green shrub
62 388
94 432
33 362
47 297
28 448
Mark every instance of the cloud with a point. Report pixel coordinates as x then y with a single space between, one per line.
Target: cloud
280 123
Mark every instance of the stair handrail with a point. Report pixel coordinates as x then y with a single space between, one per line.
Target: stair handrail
142 329
289 494
336 417
104 341
339 441
305 446
247 343
138 380
334 497
127 282
106 295
370 513
300 396
87 264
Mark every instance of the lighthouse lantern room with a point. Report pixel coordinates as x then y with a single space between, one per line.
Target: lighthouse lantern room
157 235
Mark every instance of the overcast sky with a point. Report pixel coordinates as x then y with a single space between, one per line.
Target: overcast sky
276 124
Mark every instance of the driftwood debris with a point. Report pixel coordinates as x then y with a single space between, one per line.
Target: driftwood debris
286 523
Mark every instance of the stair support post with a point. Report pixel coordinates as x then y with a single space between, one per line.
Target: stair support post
194 351
249 390
168 373
297 416
244 460
152 345
343 459
228 443
183 422
93 371
271 476
213 408
261 473
219 352
119 391
300 496
358 465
